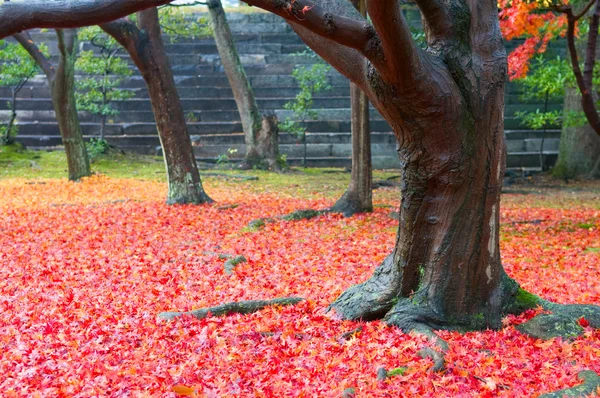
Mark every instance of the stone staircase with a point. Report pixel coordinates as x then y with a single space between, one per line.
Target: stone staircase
269 51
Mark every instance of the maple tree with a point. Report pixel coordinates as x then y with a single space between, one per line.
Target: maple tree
539 22
445 105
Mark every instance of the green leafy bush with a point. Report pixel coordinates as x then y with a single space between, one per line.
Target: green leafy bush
98 91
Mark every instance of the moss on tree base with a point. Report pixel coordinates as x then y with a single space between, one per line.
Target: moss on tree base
590 386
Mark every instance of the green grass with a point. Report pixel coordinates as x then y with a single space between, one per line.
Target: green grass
16 162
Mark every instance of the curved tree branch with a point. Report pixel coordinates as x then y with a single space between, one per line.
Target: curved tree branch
436 16
348 61
590 56
17 16
349 32
402 56
587 99
34 51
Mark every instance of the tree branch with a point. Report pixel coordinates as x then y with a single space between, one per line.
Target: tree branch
349 32
66 41
125 32
587 99
436 16
590 56
17 16
402 56
348 61
29 45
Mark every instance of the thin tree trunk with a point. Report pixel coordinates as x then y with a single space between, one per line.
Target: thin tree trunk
258 130
579 145
146 48
13 116
358 198
61 81
65 106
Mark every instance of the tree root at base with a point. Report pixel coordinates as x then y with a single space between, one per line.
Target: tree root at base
591 385
565 320
236 307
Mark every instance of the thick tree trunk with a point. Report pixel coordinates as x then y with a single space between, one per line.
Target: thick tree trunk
65 106
260 132
445 105
146 48
446 267
61 81
579 146
358 198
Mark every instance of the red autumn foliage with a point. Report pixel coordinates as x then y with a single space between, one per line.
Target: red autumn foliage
532 21
85 268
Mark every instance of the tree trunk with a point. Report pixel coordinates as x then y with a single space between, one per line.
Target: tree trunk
260 132
13 116
146 48
358 198
61 81
446 107
65 106
579 145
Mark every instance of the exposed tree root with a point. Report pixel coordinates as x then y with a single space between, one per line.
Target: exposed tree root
348 205
385 183
228 207
230 264
378 298
591 385
239 307
297 215
349 335
234 176
372 299
565 320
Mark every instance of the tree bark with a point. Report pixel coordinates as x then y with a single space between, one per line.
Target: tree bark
579 145
13 117
146 48
61 81
18 16
358 198
260 131
65 105
445 105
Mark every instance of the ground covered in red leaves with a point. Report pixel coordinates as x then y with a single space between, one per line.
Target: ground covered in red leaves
85 268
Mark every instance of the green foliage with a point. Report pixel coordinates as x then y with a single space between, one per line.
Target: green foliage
282 161
16 66
547 81
178 24
312 79
96 147
8 137
547 77
97 92
191 117
539 120
397 371
224 158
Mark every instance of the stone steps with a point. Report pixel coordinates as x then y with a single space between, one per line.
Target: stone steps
269 50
